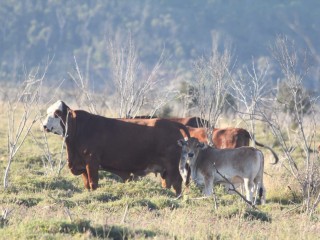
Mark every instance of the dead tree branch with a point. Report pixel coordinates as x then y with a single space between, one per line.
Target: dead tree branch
212 84
133 86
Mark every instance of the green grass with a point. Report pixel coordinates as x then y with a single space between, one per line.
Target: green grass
43 205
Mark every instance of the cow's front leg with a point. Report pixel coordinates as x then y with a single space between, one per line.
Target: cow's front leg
172 178
208 185
93 176
85 180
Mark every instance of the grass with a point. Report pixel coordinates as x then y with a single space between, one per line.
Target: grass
39 204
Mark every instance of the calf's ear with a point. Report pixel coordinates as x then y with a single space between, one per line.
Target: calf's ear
181 142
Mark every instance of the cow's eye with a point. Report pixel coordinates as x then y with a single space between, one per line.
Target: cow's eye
57 114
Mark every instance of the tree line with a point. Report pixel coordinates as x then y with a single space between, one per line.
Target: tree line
34 31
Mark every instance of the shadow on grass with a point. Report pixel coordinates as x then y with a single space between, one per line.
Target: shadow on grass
286 201
57 183
119 232
251 214
84 227
107 175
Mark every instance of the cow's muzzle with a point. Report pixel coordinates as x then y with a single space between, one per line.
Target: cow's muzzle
46 128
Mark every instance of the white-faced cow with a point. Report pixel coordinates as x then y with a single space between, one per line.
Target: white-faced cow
211 165
94 142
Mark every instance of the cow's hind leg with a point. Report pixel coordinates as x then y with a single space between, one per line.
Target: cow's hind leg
261 192
262 195
248 185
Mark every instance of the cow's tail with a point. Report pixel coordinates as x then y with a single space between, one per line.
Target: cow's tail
273 153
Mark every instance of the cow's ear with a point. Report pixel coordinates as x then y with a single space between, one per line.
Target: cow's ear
202 146
181 142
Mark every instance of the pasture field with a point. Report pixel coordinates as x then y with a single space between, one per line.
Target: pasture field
40 204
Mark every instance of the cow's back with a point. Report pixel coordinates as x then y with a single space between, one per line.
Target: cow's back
230 137
199 133
191 121
242 161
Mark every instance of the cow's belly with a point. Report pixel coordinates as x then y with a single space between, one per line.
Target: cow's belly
151 168
154 168
232 175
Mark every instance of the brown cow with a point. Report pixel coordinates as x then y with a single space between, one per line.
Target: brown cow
228 138
188 121
191 121
221 137
122 148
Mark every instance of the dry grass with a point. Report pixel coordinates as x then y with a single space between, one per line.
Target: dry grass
38 205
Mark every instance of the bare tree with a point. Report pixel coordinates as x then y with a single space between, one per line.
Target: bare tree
84 96
212 82
293 123
132 85
50 163
19 125
250 88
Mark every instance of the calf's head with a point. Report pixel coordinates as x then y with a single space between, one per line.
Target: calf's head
56 118
189 154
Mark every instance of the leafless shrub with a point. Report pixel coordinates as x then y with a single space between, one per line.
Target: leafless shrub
84 96
297 128
212 84
250 88
52 165
4 218
20 124
133 86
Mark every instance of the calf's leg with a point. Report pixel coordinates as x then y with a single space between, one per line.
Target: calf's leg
248 185
261 192
208 185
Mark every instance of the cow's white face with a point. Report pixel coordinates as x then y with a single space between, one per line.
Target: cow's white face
53 122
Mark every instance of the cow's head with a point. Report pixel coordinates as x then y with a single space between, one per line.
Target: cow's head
55 121
189 154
